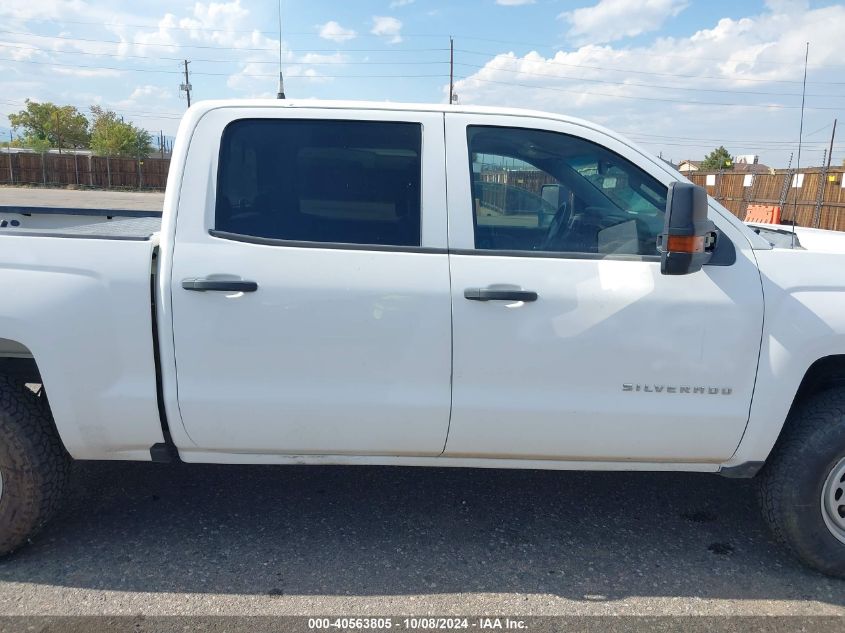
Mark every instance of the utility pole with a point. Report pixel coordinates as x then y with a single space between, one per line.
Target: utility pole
451 70
784 190
58 133
11 169
830 151
817 211
817 214
187 85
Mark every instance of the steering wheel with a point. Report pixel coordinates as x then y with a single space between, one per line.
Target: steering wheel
561 220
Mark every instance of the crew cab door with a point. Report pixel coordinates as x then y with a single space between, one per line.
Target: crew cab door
310 283
569 344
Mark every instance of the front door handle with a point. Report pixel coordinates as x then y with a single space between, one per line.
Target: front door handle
495 294
219 285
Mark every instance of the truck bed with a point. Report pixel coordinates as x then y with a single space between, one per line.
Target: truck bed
106 224
82 309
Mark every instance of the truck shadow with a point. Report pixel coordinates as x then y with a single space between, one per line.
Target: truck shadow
398 531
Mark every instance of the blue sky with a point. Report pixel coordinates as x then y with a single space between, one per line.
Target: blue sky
678 76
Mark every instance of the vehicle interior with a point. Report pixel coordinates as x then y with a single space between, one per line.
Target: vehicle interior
586 198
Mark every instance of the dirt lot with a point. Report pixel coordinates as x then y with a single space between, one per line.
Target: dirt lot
196 539
84 199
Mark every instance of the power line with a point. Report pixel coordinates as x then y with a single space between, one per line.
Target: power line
711 140
535 44
777 106
643 85
342 51
240 61
646 72
817 147
134 43
722 141
215 30
115 68
208 74
406 35
661 55
762 144
707 139
230 48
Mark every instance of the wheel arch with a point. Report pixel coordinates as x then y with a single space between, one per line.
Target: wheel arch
17 360
753 452
823 374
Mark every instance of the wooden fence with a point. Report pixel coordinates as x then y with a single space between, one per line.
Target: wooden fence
99 172
818 201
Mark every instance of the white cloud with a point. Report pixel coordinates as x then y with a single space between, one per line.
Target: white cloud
216 24
320 58
147 91
400 3
513 3
787 6
763 54
388 27
333 31
85 72
147 94
42 9
611 20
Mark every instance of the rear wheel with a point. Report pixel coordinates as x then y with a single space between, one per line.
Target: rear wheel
33 464
833 501
802 486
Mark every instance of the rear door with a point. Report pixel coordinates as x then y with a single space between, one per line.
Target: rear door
582 350
311 309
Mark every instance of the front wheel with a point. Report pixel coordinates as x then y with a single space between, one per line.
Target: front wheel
802 486
33 464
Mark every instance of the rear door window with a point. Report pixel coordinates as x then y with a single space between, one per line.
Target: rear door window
355 182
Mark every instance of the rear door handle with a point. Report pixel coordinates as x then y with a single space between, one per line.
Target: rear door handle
219 285
493 294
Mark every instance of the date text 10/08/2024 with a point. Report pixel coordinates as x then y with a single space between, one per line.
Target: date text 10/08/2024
422 623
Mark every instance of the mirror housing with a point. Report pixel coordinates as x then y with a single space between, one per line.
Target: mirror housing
688 237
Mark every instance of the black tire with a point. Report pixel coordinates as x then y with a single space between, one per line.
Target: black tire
791 483
34 465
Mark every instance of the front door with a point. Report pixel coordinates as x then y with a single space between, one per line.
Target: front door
310 293
568 342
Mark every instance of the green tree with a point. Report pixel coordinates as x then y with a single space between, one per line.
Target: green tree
45 125
112 136
719 158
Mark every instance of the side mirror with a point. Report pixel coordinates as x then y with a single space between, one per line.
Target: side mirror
688 237
552 194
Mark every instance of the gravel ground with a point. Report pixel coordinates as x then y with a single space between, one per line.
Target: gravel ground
205 540
201 539
83 199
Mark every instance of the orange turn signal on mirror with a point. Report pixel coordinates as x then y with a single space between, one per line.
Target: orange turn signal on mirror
685 244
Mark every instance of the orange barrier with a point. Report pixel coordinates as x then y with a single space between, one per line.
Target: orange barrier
763 214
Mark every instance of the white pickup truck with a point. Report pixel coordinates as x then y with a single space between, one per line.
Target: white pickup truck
358 283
